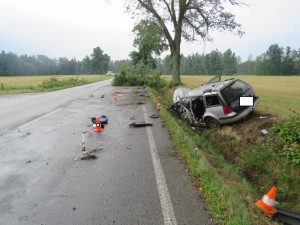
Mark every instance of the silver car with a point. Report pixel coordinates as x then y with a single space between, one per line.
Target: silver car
214 103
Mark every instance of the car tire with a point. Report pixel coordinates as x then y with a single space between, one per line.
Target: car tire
212 122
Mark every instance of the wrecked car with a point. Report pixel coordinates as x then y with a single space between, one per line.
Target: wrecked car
214 103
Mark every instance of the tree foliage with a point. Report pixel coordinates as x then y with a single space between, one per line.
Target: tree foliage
149 40
188 19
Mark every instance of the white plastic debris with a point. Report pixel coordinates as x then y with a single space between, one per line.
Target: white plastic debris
263 117
264 131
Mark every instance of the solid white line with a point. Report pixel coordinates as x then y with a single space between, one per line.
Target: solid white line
164 196
39 118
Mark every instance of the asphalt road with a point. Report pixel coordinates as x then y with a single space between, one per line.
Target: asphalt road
137 178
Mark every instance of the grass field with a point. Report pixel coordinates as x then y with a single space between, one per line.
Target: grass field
24 84
279 95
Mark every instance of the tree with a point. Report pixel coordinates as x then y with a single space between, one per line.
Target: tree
149 40
288 63
188 18
229 63
99 61
274 56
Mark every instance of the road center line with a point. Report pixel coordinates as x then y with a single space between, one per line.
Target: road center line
39 118
164 196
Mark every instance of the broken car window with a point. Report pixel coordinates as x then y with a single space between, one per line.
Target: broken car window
212 100
234 91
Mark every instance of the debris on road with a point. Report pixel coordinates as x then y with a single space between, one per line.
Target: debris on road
154 116
102 96
140 124
126 148
143 94
139 103
103 119
88 157
28 161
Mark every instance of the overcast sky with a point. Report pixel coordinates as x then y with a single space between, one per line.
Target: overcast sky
72 28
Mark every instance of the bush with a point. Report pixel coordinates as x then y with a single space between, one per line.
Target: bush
128 77
288 134
53 82
154 81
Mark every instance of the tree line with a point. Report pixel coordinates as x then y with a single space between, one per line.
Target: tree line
275 61
14 65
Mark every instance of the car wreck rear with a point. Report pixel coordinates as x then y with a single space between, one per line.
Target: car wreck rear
214 103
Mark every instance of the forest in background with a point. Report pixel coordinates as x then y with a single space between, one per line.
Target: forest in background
275 61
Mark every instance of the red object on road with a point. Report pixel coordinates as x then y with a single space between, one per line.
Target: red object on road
115 97
98 127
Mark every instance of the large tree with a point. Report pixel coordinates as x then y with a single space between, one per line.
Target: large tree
187 19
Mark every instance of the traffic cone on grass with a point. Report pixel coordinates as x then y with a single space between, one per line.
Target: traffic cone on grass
158 104
98 127
267 203
115 96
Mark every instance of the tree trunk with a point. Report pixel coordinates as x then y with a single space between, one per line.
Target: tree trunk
176 66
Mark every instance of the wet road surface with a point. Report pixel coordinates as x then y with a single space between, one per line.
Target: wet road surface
137 178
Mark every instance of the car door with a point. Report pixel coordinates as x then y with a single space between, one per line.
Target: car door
213 105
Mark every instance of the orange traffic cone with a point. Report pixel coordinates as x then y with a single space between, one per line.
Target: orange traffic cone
98 127
267 203
158 104
115 96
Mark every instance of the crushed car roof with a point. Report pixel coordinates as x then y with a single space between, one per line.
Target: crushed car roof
210 87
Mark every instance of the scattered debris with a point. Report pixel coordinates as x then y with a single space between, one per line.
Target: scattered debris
74 208
264 131
126 148
140 124
154 116
139 103
88 157
87 154
143 94
91 95
102 96
103 120
293 111
196 149
263 117
28 161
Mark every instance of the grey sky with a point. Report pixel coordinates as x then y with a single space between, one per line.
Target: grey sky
72 28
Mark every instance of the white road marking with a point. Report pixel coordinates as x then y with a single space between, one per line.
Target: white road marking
164 196
39 118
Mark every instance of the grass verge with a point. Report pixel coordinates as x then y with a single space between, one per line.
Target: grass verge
27 84
228 192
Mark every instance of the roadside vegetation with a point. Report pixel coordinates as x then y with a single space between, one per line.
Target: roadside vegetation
236 165
26 84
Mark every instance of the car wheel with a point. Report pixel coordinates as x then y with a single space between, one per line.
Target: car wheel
212 122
